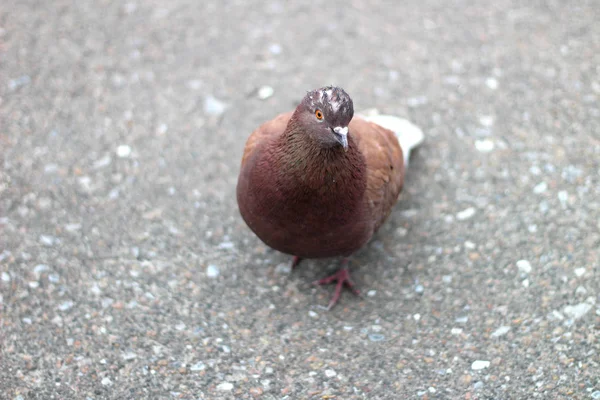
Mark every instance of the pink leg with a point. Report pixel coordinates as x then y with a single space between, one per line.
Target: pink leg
295 261
342 277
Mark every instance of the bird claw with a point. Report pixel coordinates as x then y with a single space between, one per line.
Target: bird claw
342 277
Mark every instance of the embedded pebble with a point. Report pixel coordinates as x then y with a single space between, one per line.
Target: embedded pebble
524 266
212 271
465 214
199 366
313 314
106 382
577 311
283 268
65 305
484 146
123 151
265 92
417 317
102 162
503 330
47 240
275 48
371 293
579 272
492 83
540 188
225 386
419 289
596 395
478 385
376 337
456 331
213 106
563 197
5 277
479 365
486 120
129 356
38 269
330 373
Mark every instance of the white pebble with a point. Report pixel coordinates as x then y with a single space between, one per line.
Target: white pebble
456 331
265 92
330 373
524 266
283 268
577 311
65 305
213 106
563 197
525 283
492 83
417 317
313 314
579 272
212 271
123 151
479 365
106 382
38 269
226 245
470 245
34 284
162 129
5 277
275 48
199 366
225 386
371 293
503 330
465 214
486 120
47 240
129 356
484 146
540 188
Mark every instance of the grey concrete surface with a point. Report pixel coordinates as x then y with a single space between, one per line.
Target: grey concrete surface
126 271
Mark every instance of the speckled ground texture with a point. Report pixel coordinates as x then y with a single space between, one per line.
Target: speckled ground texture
127 272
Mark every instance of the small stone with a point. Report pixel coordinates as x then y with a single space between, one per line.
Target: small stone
417 317
465 214
462 320
129 356
470 245
503 330
47 240
577 311
102 162
419 289
38 269
213 106
478 385
199 366
563 197
596 395
524 266
371 293
492 83
106 382
456 331
162 129
123 151
226 245
34 284
283 268
225 386
313 314
265 92
540 188
484 145
376 337
579 272
525 283
486 120
275 49
330 373
212 271
67 305
479 365
402 232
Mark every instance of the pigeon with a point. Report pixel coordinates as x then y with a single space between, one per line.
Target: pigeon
318 182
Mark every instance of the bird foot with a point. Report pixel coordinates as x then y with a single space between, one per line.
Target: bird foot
295 261
342 277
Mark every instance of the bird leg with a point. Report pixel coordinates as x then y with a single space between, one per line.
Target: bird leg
342 277
295 261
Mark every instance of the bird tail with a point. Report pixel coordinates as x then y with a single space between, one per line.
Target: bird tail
409 135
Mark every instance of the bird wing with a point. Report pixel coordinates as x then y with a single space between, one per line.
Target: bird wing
385 166
263 133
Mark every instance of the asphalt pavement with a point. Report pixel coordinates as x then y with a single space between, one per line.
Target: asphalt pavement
126 271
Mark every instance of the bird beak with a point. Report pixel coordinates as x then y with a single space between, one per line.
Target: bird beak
341 135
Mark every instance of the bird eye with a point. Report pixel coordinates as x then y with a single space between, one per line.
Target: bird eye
319 114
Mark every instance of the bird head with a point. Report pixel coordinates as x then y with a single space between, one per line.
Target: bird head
325 114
